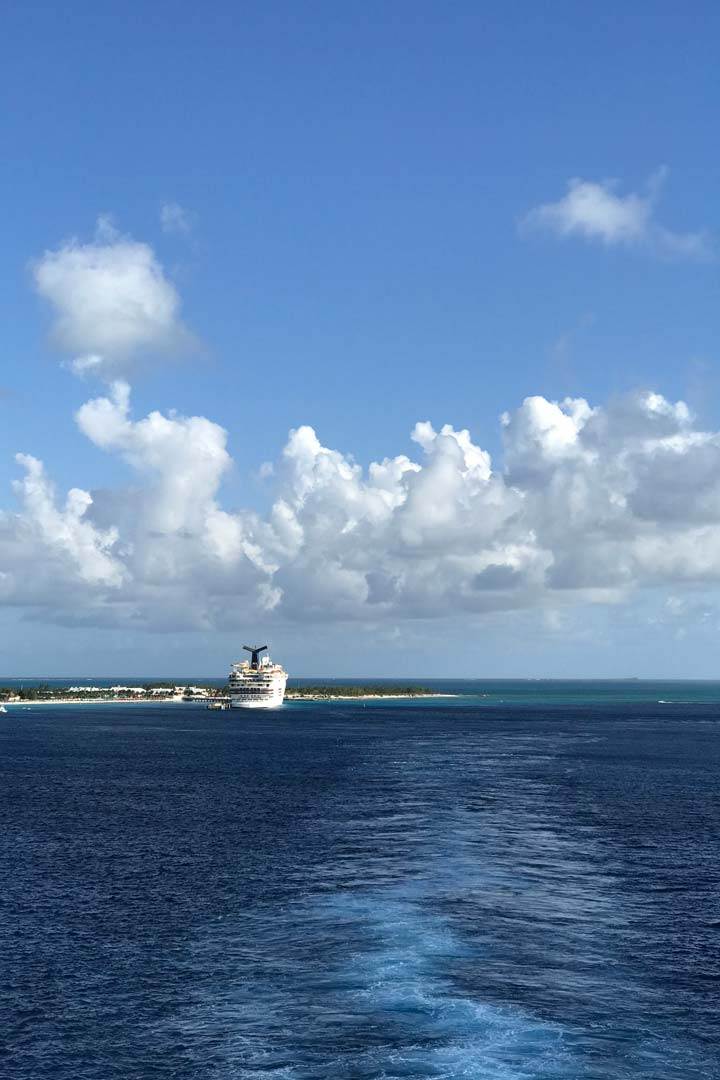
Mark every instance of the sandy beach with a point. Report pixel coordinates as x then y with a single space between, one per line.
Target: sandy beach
206 701
362 697
96 701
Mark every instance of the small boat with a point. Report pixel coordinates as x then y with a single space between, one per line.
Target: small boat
2 708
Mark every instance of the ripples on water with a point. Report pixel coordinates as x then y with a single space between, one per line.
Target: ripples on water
337 891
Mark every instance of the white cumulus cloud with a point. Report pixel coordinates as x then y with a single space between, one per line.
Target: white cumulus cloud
52 551
598 211
112 301
590 504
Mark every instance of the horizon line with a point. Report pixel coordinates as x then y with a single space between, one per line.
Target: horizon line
426 678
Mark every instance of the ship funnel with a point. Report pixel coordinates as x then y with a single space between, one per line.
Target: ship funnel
255 650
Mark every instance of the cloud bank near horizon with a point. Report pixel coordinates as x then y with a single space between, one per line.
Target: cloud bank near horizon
590 504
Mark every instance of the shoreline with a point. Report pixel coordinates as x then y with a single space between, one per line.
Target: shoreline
97 701
363 697
205 701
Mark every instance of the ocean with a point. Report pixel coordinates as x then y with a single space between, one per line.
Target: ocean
522 881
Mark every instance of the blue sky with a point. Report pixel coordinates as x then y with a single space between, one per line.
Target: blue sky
361 248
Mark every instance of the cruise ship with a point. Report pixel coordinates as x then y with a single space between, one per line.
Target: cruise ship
256 683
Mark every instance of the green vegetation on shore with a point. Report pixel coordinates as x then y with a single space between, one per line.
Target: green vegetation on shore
165 692
331 690
142 692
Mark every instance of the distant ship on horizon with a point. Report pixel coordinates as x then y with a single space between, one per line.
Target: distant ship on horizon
256 683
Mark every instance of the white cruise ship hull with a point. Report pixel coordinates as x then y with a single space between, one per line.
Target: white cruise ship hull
244 701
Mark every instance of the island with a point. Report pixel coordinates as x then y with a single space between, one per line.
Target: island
351 691
212 695
44 693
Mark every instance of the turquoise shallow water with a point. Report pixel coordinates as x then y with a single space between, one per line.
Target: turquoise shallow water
472 692
519 882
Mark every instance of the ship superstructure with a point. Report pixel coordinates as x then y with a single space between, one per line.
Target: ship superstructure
256 683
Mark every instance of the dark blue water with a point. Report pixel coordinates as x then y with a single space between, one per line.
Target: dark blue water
477 887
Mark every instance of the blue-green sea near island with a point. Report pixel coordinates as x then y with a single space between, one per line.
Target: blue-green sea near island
521 881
